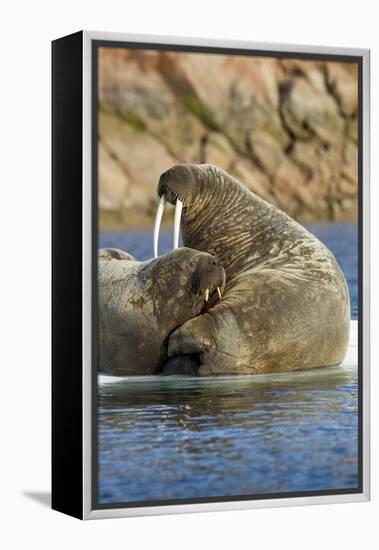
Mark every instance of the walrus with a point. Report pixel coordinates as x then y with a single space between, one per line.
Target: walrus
286 303
113 254
141 303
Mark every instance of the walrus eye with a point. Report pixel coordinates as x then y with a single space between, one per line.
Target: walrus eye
192 265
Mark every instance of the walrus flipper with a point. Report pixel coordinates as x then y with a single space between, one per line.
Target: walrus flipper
193 337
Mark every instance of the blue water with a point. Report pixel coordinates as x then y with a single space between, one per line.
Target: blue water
163 438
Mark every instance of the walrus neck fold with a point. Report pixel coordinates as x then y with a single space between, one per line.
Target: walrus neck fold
227 236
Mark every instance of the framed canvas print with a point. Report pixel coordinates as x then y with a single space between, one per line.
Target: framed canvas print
210 275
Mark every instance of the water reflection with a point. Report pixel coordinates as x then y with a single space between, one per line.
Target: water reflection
177 437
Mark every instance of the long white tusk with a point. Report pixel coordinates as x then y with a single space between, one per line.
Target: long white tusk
158 219
206 294
219 292
178 215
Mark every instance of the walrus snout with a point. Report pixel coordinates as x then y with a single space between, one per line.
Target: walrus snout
174 186
208 276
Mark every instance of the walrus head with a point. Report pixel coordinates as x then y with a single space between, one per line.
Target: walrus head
179 187
177 183
201 276
208 276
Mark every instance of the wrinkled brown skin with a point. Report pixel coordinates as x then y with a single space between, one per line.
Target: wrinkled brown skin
141 303
113 254
286 303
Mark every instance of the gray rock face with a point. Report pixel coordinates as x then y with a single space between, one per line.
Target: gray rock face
286 128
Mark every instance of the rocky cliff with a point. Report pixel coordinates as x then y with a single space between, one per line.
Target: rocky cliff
286 128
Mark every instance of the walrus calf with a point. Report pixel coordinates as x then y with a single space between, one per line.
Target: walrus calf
286 303
141 303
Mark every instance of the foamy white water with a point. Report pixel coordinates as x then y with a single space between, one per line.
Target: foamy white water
350 361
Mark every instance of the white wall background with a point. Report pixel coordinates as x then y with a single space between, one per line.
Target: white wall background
26 30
